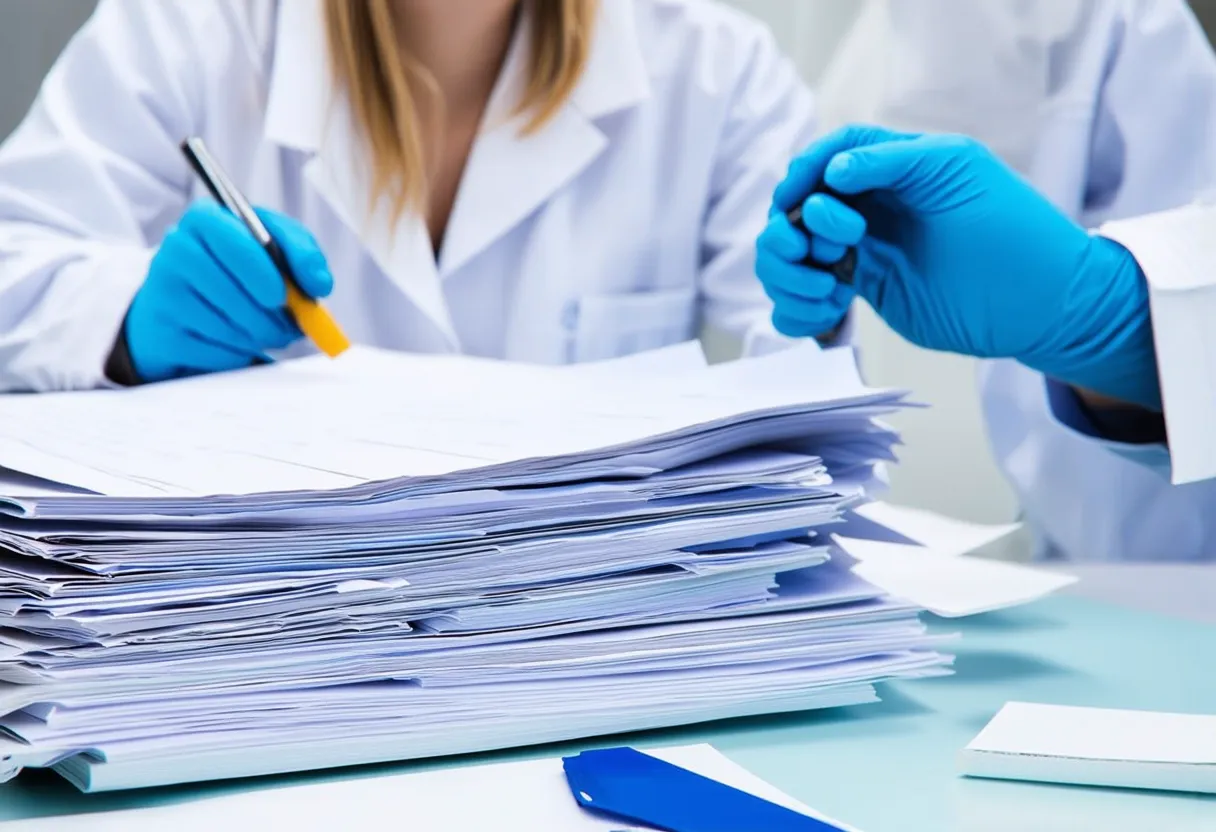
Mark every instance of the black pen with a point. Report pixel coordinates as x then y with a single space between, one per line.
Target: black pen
843 268
312 318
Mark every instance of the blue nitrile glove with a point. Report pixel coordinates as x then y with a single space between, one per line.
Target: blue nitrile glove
956 252
807 302
213 299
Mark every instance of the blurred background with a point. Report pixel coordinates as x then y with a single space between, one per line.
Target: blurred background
946 465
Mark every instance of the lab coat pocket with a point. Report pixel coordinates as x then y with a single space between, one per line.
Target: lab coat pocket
610 326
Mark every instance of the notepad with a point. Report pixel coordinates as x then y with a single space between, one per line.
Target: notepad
1096 747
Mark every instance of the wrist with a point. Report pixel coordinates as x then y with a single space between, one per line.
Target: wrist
1098 401
1121 421
119 366
832 337
1108 354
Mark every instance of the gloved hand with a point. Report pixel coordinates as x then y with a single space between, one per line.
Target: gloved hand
213 300
956 252
807 302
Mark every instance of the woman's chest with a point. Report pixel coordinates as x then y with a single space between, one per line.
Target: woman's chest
605 264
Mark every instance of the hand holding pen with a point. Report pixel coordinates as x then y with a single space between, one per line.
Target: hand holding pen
228 285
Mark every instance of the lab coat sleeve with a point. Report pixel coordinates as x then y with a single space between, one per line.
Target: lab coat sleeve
1175 251
88 184
770 118
1152 147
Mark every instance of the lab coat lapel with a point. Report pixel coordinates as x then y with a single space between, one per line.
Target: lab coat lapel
402 249
300 115
509 174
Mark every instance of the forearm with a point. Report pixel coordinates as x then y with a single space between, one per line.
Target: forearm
61 306
1131 361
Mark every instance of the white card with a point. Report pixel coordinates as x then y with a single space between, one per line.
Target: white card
1096 747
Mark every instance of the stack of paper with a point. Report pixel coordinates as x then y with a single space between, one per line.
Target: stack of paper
391 556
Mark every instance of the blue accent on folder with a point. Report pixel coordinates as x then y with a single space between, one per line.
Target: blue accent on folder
626 785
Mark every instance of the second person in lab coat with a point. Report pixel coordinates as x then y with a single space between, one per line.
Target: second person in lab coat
548 181
1109 108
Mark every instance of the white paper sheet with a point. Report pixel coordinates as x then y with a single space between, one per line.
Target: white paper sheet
950 586
938 533
363 418
505 797
937 574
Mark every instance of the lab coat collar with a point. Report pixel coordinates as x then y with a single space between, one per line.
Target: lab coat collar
509 175
616 77
299 96
300 89
302 113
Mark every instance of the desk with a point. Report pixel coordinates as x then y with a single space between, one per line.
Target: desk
891 767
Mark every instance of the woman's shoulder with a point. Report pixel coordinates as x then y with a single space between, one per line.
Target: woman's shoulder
212 24
183 38
190 15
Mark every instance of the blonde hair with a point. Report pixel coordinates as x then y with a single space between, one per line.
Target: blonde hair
384 86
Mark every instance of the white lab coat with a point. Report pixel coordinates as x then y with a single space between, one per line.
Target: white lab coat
1109 107
624 224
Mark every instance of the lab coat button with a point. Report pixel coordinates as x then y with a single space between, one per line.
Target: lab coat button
570 316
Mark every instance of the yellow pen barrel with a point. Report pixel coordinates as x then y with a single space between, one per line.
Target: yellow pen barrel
316 323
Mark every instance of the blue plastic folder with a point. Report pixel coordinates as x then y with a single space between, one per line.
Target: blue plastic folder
626 785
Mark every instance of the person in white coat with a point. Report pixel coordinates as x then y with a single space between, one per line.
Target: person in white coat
1121 317
549 181
1109 108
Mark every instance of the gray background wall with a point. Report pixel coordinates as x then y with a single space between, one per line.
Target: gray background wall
1206 10
946 465
32 32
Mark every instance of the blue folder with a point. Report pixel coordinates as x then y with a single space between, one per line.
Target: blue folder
626 785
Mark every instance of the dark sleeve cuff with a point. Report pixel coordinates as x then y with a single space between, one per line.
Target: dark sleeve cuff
831 338
1127 425
119 368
